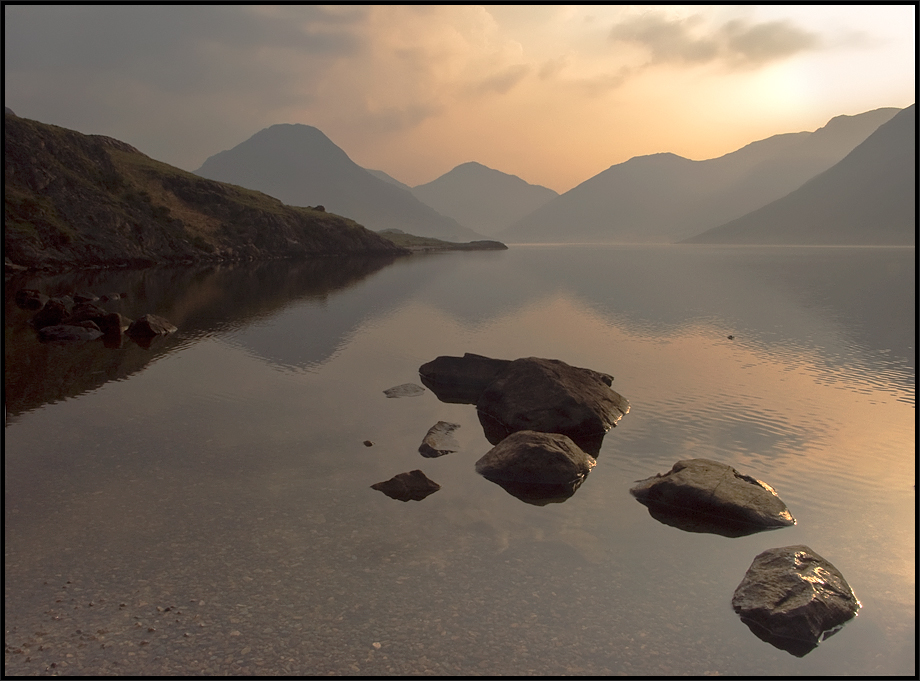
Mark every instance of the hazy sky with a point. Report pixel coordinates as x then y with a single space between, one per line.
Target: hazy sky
552 94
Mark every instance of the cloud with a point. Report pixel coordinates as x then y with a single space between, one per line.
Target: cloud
500 82
736 43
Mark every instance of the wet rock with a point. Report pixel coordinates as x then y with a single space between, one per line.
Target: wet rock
550 396
413 486
404 390
30 299
69 332
53 313
716 495
439 440
113 323
793 598
368 443
82 312
84 297
461 380
533 458
150 325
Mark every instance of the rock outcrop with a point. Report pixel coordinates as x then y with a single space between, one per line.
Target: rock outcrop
709 496
411 486
793 598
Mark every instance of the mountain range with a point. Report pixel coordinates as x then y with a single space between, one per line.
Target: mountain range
300 166
482 198
869 197
666 198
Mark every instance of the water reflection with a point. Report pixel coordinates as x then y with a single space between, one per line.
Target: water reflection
200 301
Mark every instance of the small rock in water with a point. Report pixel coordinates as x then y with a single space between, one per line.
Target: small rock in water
368 443
439 440
413 485
404 390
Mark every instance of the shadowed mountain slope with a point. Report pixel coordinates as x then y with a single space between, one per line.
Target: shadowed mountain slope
662 198
73 200
481 198
301 166
868 198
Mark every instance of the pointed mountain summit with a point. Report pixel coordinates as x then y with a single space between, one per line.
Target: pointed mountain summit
868 198
481 198
662 198
300 166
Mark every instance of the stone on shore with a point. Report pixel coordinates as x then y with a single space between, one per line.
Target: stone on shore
793 598
411 486
716 491
69 332
150 325
439 440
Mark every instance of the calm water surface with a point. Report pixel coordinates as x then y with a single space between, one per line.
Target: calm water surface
204 505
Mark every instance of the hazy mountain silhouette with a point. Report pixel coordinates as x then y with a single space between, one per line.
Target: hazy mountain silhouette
664 198
481 198
301 166
380 175
867 198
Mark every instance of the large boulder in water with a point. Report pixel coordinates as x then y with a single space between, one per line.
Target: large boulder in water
550 396
717 493
793 598
461 379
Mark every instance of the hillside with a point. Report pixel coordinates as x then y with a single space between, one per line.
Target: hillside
73 200
301 166
662 198
868 198
481 198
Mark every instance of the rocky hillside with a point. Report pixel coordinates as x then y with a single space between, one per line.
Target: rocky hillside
74 200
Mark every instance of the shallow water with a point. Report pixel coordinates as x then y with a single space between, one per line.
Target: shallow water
204 505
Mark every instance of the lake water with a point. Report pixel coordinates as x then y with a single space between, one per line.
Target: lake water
203 506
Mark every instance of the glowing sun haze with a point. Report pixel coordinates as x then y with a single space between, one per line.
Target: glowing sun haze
551 94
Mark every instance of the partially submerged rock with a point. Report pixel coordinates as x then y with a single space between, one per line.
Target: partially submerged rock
404 390
150 325
538 468
461 379
69 332
30 299
793 598
712 497
439 440
550 396
536 458
413 485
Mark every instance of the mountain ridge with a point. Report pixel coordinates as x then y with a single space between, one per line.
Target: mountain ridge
301 166
867 198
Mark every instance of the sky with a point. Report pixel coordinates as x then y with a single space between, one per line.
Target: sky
553 94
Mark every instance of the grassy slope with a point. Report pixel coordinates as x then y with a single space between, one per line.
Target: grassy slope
74 200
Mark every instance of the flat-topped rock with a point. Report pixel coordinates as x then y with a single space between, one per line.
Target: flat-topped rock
439 440
793 598
716 491
461 379
150 325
